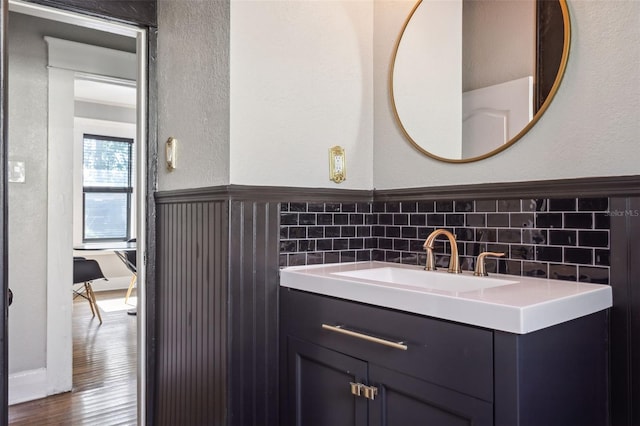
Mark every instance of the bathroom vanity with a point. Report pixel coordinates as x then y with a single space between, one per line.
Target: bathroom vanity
361 345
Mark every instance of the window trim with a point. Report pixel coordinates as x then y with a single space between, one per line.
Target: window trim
109 189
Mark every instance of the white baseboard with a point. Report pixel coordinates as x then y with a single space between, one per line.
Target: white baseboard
27 385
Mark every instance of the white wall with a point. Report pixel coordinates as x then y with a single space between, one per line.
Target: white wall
277 138
591 128
193 91
301 82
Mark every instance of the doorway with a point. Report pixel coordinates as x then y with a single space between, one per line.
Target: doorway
40 196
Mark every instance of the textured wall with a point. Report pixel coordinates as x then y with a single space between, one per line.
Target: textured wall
28 201
193 91
590 129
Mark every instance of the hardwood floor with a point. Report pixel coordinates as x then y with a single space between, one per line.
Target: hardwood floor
104 372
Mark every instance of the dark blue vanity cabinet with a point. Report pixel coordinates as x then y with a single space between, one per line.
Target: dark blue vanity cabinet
450 373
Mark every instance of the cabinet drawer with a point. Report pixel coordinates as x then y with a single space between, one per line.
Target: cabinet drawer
452 355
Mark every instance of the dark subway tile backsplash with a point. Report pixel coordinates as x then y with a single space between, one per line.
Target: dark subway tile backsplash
563 272
593 204
436 219
578 220
476 219
534 236
601 257
581 256
548 220
486 206
549 254
590 274
521 220
562 204
565 239
509 236
463 206
593 238
454 220
509 205
498 219
601 220
444 206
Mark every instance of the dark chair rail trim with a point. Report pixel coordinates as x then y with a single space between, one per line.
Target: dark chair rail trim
582 187
260 193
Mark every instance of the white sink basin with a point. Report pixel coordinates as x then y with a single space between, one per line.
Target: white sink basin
513 304
457 283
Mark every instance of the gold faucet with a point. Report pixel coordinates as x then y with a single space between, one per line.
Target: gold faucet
454 261
480 270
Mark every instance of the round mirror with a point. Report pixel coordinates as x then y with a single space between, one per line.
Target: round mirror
471 77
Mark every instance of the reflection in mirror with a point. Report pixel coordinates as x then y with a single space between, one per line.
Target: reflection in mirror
471 77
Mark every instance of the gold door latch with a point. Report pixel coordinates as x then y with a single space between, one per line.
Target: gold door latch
358 389
369 392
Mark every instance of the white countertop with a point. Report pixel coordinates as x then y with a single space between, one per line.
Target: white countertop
521 306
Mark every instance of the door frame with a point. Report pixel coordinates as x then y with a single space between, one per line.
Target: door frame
66 61
4 223
146 180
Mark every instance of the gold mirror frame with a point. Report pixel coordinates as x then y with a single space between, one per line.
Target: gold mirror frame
534 120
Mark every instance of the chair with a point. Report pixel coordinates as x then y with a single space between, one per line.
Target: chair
129 258
84 272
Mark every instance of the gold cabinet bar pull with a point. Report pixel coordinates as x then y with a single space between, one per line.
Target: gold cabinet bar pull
342 330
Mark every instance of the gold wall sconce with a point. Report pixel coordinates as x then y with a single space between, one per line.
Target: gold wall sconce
170 153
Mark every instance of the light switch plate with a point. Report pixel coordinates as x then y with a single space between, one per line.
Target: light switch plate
337 164
17 172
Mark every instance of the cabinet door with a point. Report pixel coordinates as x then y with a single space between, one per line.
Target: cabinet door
448 354
405 400
318 386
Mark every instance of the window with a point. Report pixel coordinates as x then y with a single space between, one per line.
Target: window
106 188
